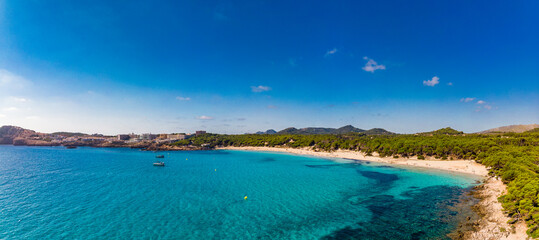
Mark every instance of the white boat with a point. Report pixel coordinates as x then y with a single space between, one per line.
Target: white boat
159 164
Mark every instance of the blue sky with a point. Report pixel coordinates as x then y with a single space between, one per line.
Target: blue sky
245 66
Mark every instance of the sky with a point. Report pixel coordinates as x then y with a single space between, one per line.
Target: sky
244 66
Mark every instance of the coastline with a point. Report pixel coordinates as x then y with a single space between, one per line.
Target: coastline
459 166
493 221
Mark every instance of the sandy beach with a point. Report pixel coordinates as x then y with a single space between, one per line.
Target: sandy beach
461 166
493 224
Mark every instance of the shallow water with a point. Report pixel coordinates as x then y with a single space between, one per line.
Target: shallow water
100 193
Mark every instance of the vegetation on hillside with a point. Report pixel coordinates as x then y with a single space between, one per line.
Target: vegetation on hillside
512 156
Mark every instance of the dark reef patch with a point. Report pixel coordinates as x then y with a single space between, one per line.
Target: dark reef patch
268 159
381 178
322 165
426 213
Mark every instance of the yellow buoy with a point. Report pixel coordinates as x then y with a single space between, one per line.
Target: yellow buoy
186 159
245 198
216 169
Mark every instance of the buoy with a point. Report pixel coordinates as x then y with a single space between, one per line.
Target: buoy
186 159
216 169
245 198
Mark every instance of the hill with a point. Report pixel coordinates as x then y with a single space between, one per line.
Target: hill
10 133
512 128
342 130
535 130
442 131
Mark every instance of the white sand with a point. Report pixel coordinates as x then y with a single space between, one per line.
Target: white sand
462 166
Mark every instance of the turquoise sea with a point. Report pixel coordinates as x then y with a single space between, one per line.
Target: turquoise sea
105 193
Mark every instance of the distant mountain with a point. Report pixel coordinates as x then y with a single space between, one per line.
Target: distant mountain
341 130
378 131
270 131
512 128
443 131
348 129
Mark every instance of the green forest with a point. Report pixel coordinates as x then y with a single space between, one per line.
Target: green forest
514 157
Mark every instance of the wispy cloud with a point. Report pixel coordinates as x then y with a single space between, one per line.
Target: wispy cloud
272 106
431 83
372 66
10 109
468 99
32 117
9 79
484 106
183 98
260 88
449 84
19 99
203 117
331 52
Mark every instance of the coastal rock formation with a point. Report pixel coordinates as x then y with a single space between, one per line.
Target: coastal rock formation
9 133
494 223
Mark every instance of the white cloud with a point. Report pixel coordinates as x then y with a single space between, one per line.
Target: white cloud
449 84
32 117
19 99
260 88
468 99
488 107
2 115
10 109
481 102
183 98
272 106
431 83
203 117
331 52
372 66
7 78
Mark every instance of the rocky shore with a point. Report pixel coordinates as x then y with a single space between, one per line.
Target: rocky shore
493 224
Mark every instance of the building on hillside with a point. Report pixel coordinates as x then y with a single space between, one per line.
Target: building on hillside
123 137
176 136
198 133
148 136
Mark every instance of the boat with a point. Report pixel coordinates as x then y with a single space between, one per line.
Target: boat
160 156
159 164
71 147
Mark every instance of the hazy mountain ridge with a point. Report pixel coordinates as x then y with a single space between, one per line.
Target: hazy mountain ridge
341 130
512 128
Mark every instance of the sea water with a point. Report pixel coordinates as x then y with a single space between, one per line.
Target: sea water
106 193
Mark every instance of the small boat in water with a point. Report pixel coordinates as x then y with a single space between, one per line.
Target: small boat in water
160 156
159 164
71 147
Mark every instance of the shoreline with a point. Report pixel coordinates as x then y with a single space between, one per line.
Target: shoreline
493 221
459 166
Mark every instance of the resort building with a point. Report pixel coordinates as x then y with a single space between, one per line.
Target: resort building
198 133
148 136
123 137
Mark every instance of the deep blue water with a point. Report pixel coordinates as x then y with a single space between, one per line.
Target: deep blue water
100 193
